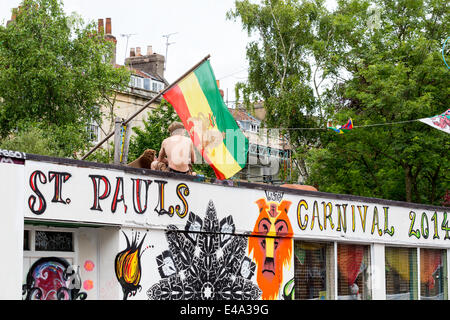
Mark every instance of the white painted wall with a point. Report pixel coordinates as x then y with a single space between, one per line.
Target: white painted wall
88 261
11 230
108 247
378 272
100 246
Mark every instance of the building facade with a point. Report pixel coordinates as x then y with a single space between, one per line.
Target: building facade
269 154
81 230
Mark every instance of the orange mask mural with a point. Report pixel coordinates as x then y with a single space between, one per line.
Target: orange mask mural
271 245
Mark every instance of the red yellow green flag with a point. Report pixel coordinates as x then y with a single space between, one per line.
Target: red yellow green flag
212 128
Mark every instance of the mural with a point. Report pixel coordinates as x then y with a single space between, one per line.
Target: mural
53 279
205 261
271 245
128 266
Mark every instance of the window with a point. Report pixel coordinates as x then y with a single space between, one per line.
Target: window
433 274
154 86
26 240
132 81
353 272
93 130
147 84
314 270
139 82
401 273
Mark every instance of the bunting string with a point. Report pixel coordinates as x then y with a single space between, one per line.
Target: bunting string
440 122
363 126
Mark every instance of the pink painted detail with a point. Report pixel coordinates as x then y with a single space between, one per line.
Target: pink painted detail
88 284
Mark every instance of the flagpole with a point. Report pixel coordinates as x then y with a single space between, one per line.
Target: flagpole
147 104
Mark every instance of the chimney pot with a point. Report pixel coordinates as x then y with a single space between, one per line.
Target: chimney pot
149 50
101 27
108 26
138 51
132 52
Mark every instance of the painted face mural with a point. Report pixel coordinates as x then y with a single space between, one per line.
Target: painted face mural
128 267
53 279
271 245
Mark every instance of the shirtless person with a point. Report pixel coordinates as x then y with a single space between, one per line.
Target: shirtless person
178 149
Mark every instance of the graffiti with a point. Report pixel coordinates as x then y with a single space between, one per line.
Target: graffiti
137 195
32 199
182 191
53 279
89 267
289 290
127 266
102 189
96 183
13 157
424 230
206 261
271 245
54 241
60 178
88 285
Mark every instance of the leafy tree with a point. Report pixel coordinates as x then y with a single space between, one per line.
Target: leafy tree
376 72
52 141
397 75
287 67
54 72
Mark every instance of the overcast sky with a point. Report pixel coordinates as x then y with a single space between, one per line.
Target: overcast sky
200 28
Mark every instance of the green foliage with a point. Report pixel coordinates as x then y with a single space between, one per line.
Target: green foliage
342 66
57 141
154 131
103 155
54 72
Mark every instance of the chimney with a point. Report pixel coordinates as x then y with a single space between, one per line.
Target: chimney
101 27
108 26
106 33
149 50
138 52
132 53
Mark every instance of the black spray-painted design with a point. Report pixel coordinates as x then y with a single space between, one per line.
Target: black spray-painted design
205 261
53 279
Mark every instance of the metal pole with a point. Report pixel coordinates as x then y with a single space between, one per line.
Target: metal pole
117 139
146 105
